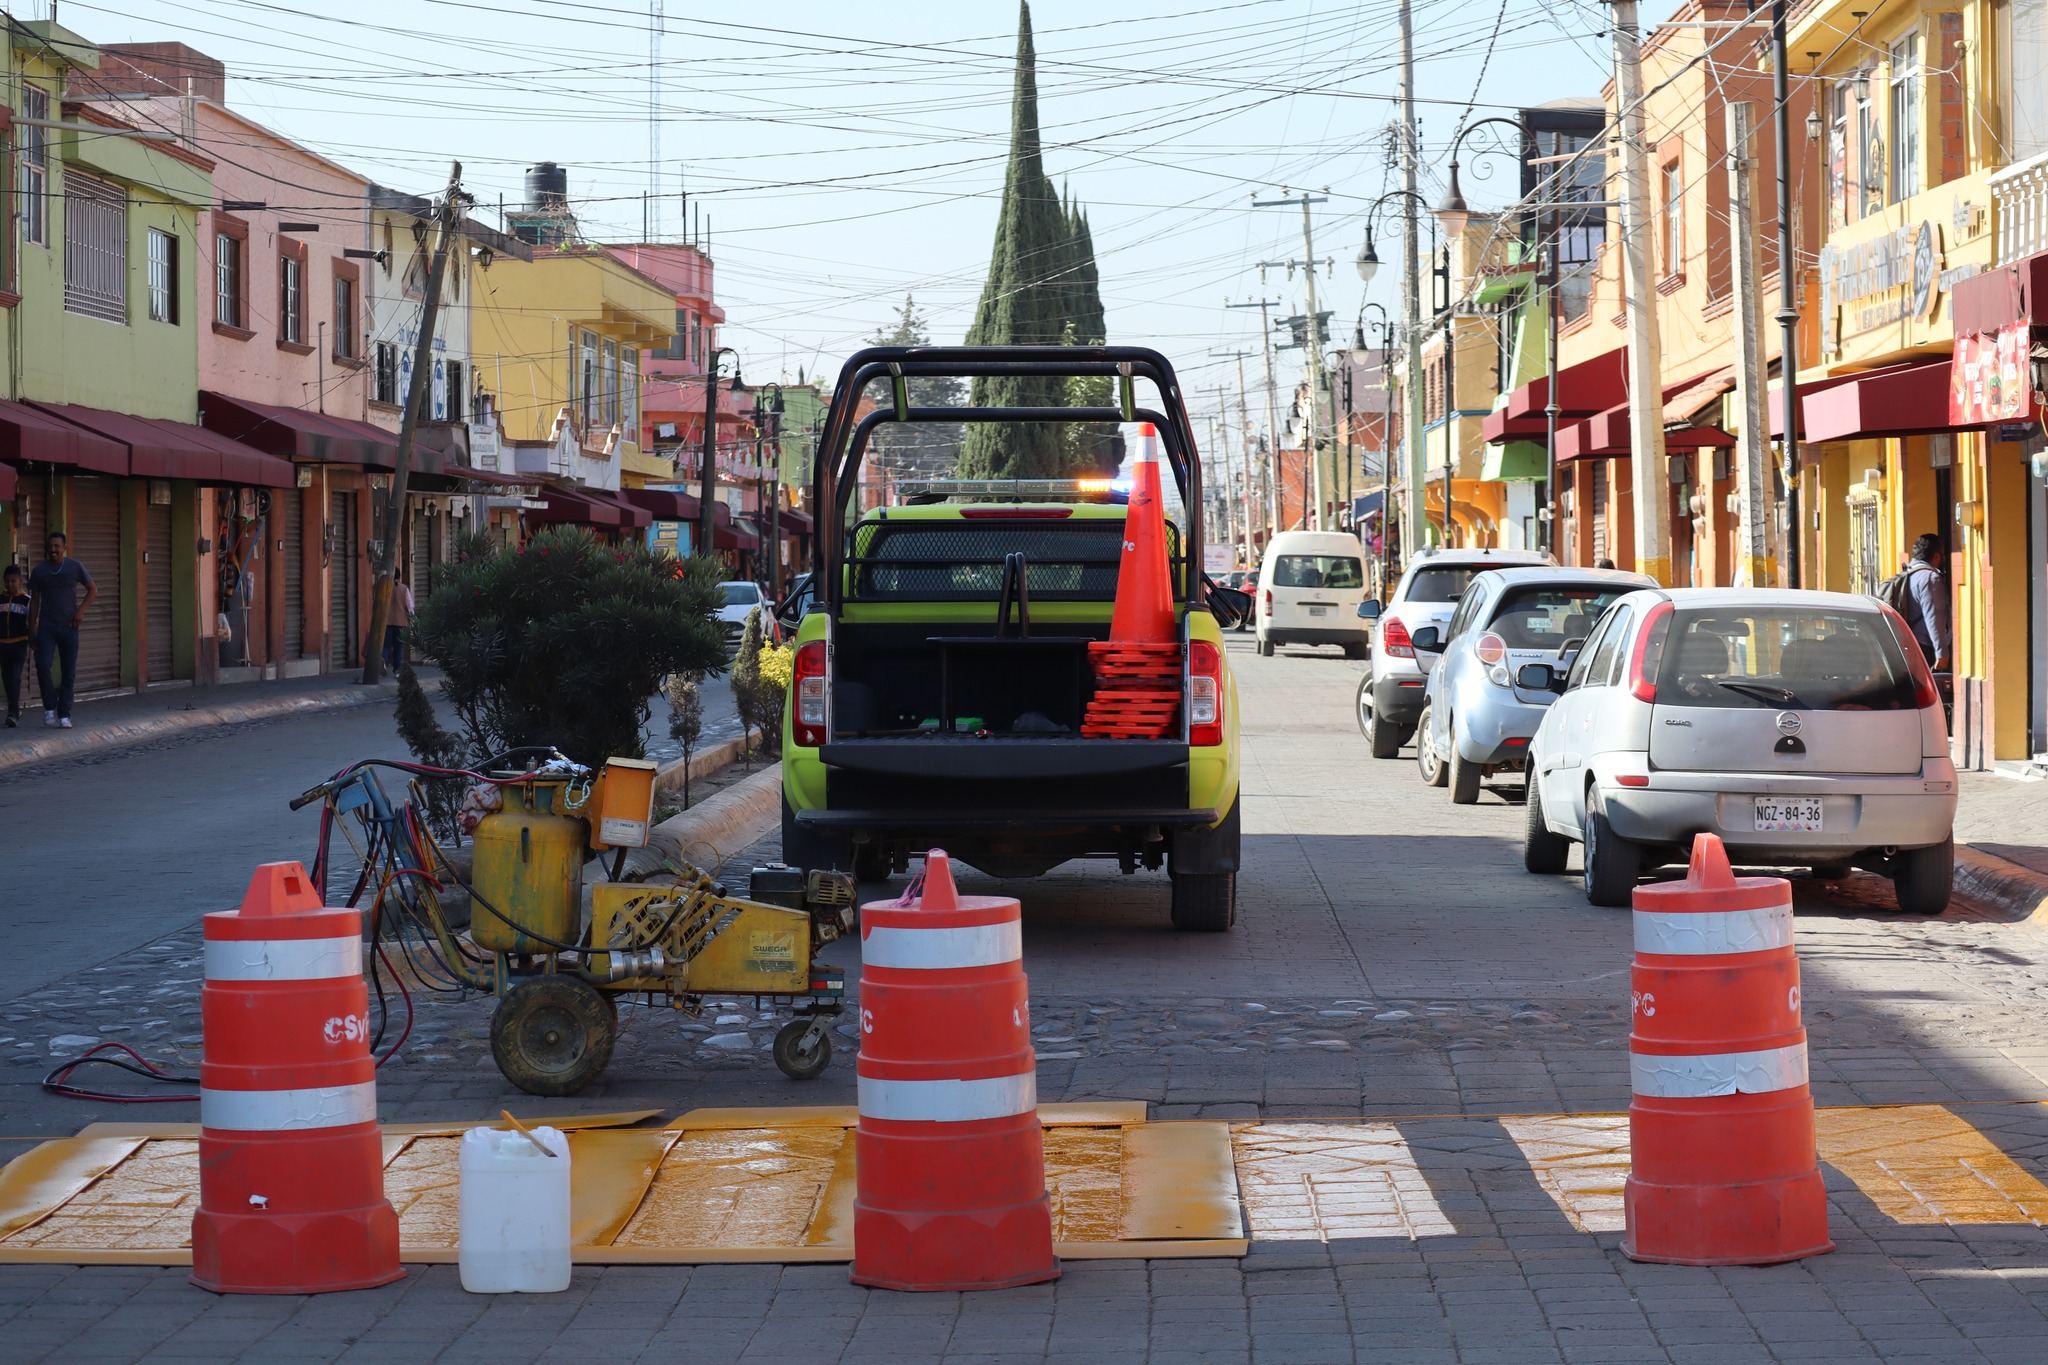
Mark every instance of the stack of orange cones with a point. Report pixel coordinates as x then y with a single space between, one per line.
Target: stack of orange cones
1137 669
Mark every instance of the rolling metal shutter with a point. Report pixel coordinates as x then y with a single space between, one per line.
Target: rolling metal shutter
157 597
341 567
28 537
1599 491
289 505
96 543
423 527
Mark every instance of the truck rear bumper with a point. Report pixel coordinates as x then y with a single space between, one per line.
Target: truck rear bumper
896 821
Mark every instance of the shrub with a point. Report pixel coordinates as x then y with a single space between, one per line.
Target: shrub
686 718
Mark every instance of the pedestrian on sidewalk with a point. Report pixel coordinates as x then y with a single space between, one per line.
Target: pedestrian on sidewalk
395 624
1926 608
55 617
14 640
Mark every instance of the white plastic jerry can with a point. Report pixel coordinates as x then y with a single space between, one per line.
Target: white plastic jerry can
514 1212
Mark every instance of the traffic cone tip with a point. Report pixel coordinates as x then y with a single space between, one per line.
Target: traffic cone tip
1710 863
939 891
280 889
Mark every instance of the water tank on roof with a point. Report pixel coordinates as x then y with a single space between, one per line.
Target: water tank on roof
547 188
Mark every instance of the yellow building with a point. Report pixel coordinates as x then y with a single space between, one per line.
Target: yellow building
1915 125
558 340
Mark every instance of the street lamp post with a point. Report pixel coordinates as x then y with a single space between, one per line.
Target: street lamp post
707 482
1385 328
1368 264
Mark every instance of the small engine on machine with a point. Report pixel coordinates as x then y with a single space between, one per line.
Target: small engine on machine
560 954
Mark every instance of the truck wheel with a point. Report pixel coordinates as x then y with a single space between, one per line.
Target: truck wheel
1426 762
1612 863
801 1053
1265 648
1926 876
1464 774
1543 853
1204 903
553 1035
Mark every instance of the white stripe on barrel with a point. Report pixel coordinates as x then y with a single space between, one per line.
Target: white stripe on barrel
284 959
993 1097
1712 932
941 949
277 1111
1718 1073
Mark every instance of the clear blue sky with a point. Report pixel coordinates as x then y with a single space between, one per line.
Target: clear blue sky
849 154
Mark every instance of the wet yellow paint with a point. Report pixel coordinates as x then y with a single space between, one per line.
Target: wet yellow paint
1179 1183
1580 1161
1318 1181
145 1201
740 1187
1920 1163
422 1181
1084 1175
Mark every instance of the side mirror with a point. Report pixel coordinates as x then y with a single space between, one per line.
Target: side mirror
1538 678
1369 609
1229 605
790 611
1428 639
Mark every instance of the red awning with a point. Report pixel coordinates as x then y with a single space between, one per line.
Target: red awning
28 433
301 435
159 448
631 518
1605 436
738 536
793 522
496 480
1898 401
576 509
663 504
1583 389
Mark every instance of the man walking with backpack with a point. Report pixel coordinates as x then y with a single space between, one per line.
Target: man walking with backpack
1919 593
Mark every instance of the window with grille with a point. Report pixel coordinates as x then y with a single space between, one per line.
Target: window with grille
163 277
455 394
1672 228
95 249
1905 117
35 168
629 393
291 299
610 413
344 317
588 387
385 388
227 280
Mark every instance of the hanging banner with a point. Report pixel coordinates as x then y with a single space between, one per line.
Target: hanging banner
1989 380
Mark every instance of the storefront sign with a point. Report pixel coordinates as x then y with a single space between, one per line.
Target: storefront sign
1887 279
1988 379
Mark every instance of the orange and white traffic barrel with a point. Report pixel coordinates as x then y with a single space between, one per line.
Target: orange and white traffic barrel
1723 1168
291 1161
950 1190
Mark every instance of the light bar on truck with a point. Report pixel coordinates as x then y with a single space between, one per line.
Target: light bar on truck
1015 490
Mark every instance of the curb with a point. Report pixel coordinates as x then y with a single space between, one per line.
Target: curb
64 744
2019 891
726 822
715 759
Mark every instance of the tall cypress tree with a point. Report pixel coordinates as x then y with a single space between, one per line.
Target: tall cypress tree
1027 299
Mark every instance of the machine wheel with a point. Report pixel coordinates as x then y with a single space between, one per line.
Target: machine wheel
1204 902
1265 648
1434 773
1543 852
553 1035
1464 774
1926 877
1612 863
801 1054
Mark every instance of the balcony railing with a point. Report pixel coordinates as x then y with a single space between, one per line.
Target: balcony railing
2020 192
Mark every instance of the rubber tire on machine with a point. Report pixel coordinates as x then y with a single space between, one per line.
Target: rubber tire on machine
553 1035
1433 769
1464 774
1612 863
1928 878
1204 902
798 1066
1543 852
1265 648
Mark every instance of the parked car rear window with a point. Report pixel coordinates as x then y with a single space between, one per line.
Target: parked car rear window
1548 616
1783 658
741 594
1318 571
1446 584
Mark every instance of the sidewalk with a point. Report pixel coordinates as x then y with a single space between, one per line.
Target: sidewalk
2002 844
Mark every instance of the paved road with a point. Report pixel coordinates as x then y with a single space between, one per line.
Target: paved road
1392 960
107 852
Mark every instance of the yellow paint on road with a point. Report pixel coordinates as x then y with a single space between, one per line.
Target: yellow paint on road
1310 1182
1922 1163
1580 1160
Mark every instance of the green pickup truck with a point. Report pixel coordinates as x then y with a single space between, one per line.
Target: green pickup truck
942 666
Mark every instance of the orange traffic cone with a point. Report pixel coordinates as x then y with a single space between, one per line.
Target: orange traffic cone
1144 597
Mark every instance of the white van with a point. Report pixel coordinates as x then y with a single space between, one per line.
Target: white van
1310 588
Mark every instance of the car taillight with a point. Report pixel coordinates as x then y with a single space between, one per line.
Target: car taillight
808 720
1394 639
1647 658
1268 602
1205 694
1925 693
1490 648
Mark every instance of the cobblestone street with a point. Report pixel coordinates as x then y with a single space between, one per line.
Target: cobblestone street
1391 960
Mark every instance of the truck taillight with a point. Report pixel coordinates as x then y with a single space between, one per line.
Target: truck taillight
1394 639
808 721
1925 693
1647 659
1205 694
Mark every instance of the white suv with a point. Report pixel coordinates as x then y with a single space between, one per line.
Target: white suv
1390 694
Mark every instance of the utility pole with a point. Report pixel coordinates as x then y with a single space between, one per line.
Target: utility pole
1244 446
416 392
707 476
1273 467
1313 474
1788 297
1413 521
1645 384
1752 563
1548 279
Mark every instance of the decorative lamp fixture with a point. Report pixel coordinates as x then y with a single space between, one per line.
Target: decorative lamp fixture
1368 261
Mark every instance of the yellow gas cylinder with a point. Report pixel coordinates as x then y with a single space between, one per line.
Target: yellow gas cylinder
529 866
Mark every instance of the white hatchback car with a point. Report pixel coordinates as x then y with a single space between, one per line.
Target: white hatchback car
1803 728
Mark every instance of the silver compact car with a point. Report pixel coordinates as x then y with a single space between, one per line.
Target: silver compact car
1803 728
1475 721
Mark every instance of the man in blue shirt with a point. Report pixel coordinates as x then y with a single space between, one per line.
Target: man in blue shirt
55 614
1927 600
